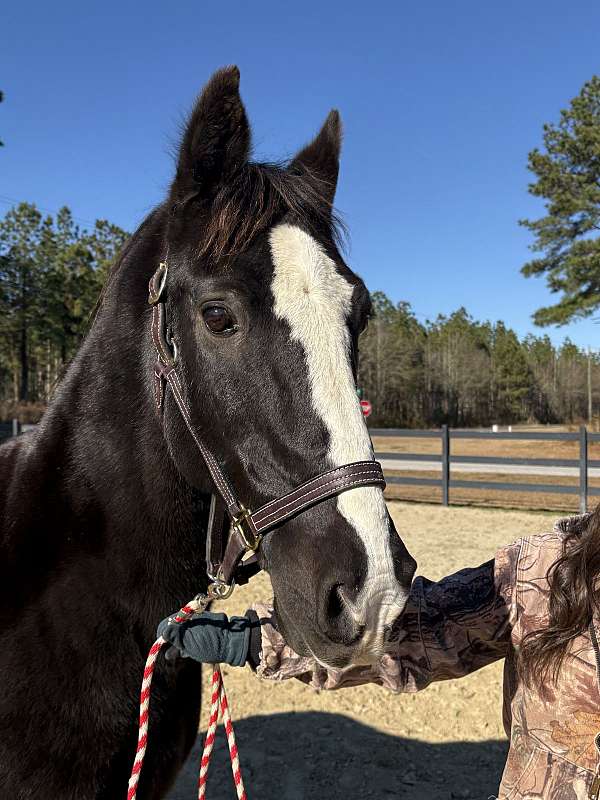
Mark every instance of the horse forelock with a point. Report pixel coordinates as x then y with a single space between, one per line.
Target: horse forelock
248 205
250 202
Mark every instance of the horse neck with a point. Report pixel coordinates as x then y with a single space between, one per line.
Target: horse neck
121 484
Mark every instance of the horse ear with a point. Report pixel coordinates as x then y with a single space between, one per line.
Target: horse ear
216 141
321 158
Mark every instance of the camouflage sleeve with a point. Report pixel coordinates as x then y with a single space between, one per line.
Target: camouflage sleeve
449 628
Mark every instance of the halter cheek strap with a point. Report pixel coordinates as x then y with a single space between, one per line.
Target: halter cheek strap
226 549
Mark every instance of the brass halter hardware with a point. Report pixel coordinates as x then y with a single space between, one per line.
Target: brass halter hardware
249 537
160 278
219 590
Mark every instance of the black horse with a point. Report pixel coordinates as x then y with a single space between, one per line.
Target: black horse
105 505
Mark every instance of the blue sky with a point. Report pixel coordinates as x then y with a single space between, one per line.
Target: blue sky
441 103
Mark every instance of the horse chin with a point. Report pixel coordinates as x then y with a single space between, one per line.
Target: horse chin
346 658
327 656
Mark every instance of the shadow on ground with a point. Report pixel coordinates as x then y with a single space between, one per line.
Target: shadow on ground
318 756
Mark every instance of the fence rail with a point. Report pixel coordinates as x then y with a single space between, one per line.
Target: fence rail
8 429
446 460
445 436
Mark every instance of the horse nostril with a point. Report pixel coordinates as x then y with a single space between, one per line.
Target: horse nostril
338 622
335 604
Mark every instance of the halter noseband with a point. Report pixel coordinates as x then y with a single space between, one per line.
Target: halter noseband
225 551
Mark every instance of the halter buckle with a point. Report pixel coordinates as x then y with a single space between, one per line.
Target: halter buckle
248 535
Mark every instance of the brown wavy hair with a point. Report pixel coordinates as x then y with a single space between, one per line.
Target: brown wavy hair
573 587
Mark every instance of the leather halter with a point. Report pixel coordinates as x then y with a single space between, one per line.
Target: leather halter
225 551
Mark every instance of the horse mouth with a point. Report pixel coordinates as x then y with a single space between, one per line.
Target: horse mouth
371 640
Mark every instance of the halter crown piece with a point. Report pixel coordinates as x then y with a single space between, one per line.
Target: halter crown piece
233 533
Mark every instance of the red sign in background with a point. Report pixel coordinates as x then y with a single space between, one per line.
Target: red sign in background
366 408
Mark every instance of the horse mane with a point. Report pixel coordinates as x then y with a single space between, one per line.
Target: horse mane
151 225
250 202
255 197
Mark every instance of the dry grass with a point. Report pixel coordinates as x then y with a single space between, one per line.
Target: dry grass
507 448
445 742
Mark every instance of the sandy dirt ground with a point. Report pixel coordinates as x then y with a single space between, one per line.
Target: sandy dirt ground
445 742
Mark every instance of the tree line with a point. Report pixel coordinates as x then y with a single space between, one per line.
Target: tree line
452 370
463 372
51 274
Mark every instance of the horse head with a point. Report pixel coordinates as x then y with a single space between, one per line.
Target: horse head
266 316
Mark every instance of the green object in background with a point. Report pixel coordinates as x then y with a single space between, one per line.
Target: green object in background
51 275
567 176
360 393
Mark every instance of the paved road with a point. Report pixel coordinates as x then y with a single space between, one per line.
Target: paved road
496 469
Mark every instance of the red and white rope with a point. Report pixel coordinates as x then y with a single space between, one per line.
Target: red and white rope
218 704
233 751
143 720
211 733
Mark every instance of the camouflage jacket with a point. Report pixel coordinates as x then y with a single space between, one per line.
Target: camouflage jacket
463 622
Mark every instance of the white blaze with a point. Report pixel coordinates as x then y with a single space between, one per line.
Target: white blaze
315 300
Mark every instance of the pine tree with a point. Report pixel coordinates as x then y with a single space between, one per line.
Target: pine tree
21 232
51 274
568 178
511 376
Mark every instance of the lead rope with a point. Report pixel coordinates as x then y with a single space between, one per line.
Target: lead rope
219 706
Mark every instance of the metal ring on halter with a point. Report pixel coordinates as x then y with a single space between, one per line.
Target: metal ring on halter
218 588
175 349
172 342
155 296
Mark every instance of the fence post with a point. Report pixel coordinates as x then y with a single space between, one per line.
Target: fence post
445 465
16 428
583 469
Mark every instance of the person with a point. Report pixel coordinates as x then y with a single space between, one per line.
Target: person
536 605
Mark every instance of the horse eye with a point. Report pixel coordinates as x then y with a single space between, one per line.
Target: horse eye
219 319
